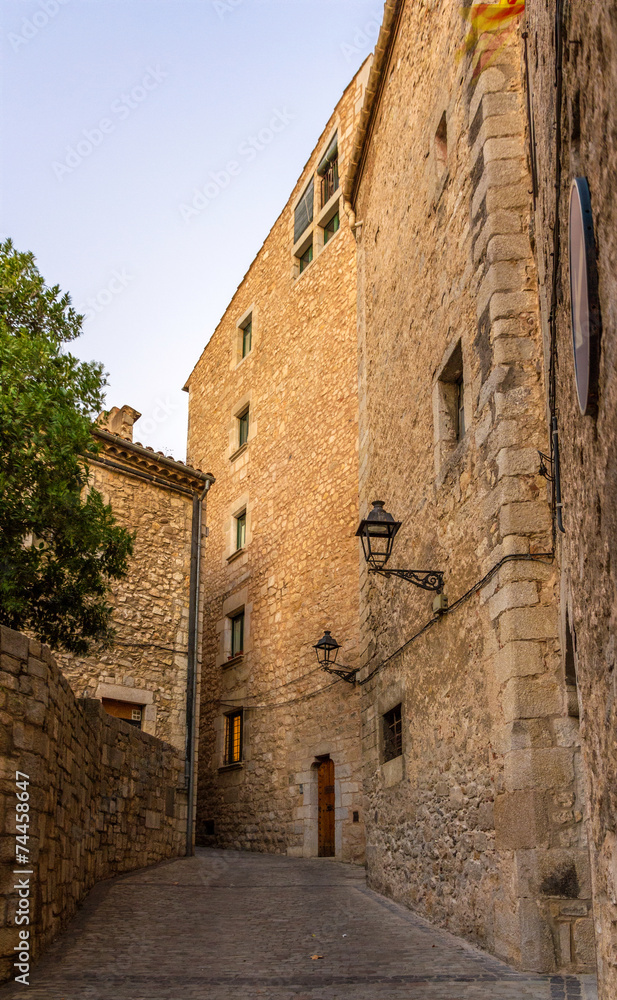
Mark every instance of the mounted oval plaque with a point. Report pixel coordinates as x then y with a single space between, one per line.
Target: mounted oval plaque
584 302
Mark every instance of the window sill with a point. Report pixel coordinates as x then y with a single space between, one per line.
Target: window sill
239 451
233 661
245 358
450 462
236 555
392 771
297 277
329 208
325 246
231 767
304 242
441 186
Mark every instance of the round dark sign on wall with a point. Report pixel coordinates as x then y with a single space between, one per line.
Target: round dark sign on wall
585 305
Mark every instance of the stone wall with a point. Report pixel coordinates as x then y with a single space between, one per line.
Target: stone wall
104 798
147 663
587 552
478 824
297 574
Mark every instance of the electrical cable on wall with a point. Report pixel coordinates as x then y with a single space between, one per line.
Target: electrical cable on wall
544 558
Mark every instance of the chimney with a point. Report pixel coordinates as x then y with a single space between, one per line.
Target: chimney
119 420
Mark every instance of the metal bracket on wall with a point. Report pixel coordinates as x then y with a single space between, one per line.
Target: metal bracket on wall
346 673
426 579
545 462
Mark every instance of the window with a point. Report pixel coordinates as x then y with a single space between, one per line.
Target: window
237 634
571 678
240 530
331 227
392 734
303 215
460 408
449 407
441 144
328 171
233 737
306 258
243 427
124 710
247 337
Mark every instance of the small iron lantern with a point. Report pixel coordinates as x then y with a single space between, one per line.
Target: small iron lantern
327 650
377 532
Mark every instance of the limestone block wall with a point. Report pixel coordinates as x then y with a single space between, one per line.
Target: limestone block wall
104 798
480 823
587 555
147 663
297 573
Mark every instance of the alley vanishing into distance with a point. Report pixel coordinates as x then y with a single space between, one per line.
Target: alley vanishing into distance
228 924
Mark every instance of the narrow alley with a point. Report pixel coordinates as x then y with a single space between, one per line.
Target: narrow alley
228 924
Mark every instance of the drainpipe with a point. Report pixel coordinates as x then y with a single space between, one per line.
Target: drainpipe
191 674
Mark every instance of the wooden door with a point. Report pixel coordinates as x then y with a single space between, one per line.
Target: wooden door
325 785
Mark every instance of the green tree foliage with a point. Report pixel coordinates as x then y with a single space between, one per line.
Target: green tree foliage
60 546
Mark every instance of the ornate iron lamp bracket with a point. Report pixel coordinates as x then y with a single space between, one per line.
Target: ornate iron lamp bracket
346 673
426 579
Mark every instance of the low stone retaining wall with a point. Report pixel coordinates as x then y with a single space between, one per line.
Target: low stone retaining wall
97 797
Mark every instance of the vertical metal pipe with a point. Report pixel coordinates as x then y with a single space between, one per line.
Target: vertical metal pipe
191 673
557 475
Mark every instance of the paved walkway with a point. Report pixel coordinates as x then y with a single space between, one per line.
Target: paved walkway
226 924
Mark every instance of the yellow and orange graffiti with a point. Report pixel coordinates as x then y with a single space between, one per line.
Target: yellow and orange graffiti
491 25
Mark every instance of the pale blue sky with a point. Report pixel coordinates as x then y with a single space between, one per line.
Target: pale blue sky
114 113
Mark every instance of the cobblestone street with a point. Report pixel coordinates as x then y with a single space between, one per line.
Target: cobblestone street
226 924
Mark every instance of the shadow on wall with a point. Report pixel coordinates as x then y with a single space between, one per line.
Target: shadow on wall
87 797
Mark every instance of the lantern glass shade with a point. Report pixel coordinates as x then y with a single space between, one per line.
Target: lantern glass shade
327 649
377 532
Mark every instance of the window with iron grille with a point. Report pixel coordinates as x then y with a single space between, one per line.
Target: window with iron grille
393 733
328 171
329 183
233 737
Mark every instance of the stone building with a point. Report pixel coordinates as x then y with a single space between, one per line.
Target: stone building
471 750
571 82
273 405
150 675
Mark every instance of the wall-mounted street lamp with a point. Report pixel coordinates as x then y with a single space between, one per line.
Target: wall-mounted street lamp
327 650
377 532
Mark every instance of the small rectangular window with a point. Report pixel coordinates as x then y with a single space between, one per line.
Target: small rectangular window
237 634
243 428
247 336
233 737
460 409
331 227
241 530
449 413
303 215
393 733
306 258
131 713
